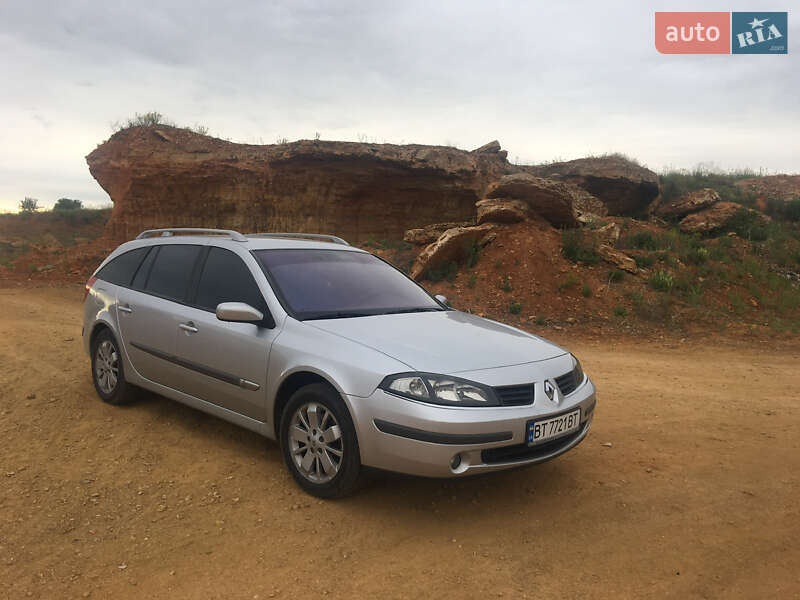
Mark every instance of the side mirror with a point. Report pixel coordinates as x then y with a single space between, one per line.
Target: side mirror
238 312
442 299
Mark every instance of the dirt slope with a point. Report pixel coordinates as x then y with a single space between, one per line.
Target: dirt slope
695 498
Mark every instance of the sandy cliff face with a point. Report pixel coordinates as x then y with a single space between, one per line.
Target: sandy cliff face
167 177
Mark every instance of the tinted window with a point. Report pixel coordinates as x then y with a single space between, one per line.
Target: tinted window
319 284
226 278
172 271
144 269
121 269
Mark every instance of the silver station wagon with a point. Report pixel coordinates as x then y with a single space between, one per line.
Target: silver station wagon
332 352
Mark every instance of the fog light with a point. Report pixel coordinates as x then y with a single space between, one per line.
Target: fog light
456 462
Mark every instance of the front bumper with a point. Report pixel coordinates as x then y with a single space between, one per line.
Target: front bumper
411 437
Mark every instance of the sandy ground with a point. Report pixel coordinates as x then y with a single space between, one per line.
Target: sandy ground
696 496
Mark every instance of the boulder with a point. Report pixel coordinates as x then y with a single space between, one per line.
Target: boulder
501 210
492 147
716 217
690 203
452 246
625 187
559 203
617 258
430 233
608 234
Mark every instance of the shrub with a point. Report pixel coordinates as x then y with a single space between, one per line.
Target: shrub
28 205
616 276
540 320
570 282
586 291
748 225
67 204
505 284
643 240
661 281
515 308
472 281
644 261
579 247
473 253
620 311
696 256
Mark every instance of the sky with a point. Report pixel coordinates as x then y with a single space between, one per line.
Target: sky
548 80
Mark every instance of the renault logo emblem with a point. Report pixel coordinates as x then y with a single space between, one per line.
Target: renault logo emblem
550 390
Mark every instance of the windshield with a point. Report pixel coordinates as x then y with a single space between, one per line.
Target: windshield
331 284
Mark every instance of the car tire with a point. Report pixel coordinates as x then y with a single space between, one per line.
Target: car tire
319 442
108 375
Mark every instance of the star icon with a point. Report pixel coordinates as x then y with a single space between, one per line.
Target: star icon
756 23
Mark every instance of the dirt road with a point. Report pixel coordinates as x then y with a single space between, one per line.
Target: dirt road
687 487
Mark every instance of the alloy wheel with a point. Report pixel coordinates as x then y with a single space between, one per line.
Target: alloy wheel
315 442
106 367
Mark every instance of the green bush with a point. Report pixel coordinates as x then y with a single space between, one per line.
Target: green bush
586 291
620 311
472 281
473 253
642 240
616 276
67 204
644 261
678 183
448 272
661 281
696 256
579 246
515 308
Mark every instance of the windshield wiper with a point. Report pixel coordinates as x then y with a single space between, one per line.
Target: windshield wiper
336 315
411 310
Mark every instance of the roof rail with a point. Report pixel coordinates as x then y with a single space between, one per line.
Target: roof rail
234 235
309 236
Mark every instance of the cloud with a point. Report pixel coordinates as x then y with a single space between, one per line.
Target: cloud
556 80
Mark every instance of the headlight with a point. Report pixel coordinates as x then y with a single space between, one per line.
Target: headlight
439 389
578 370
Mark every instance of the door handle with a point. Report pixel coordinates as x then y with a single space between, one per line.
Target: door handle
188 327
125 308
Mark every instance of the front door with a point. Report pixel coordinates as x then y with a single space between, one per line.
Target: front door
225 363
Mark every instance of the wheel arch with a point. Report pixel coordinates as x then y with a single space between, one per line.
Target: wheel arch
290 384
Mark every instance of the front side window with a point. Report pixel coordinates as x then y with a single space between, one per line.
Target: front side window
225 278
325 284
172 271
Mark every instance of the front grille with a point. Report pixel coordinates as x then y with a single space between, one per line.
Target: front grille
515 395
568 382
519 452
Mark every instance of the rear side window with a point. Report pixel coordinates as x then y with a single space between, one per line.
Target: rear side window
172 271
120 270
225 278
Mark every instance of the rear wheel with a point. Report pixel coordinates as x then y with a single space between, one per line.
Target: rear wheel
319 442
107 370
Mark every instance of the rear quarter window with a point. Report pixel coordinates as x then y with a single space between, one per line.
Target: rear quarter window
121 269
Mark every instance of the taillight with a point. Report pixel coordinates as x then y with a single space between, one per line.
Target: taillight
89 285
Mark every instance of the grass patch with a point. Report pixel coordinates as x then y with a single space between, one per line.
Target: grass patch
586 291
568 283
661 281
515 308
579 246
620 311
616 276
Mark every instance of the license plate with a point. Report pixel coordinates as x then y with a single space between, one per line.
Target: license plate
547 429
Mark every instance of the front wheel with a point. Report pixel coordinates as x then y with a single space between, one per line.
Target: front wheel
319 442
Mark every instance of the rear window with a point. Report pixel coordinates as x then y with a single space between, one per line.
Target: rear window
172 271
121 269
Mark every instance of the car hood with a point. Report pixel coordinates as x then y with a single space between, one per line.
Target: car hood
443 342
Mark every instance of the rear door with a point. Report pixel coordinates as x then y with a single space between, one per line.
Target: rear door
150 310
225 363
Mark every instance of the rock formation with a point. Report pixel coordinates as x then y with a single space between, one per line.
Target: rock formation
501 210
625 187
421 236
169 177
716 217
452 246
690 203
560 203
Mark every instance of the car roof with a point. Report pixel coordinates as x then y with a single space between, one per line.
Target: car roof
248 243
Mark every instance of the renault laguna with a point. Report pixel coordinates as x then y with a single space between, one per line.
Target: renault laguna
331 351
